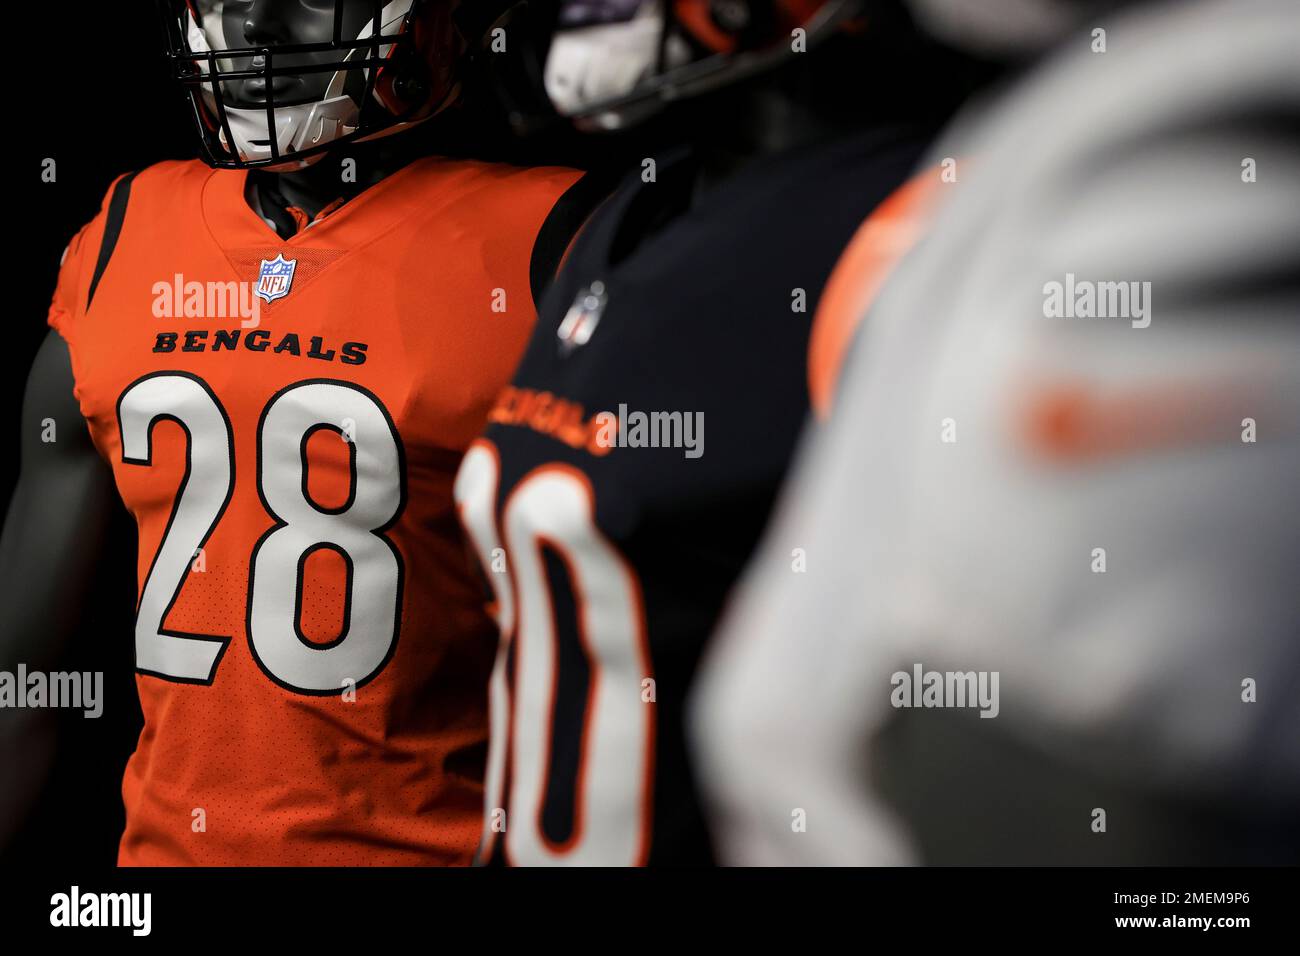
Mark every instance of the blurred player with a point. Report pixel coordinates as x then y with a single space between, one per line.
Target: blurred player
1051 531
279 371
611 522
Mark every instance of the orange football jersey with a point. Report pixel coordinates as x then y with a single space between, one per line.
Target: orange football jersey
284 419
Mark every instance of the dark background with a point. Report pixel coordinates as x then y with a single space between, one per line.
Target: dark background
91 90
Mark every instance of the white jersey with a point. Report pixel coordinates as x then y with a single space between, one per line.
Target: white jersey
1066 451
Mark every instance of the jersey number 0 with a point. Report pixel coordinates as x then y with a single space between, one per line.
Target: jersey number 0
553 506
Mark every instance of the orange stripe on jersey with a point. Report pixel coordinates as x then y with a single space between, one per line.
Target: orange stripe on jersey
1076 422
880 243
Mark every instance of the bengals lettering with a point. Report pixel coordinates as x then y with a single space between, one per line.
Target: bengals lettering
257 340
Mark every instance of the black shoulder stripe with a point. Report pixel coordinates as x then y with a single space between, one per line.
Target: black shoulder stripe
566 217
112 230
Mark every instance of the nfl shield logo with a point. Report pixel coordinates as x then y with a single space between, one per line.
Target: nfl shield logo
582 318
275 278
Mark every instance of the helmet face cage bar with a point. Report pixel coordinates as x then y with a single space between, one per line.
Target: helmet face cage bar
205 75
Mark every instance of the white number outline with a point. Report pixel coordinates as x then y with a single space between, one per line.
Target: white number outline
504 694
158 631
223 641
280 524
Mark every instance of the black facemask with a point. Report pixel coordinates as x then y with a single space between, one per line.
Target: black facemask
316 72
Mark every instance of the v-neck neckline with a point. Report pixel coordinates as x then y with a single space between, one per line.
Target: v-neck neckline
234 223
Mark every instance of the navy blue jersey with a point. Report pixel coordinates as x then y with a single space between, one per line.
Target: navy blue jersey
626 476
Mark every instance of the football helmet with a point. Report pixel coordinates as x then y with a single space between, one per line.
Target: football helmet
275 83
614 62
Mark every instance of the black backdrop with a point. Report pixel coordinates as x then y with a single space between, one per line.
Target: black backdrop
90 92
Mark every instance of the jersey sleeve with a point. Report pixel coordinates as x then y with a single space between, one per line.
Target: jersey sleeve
570 212
875 250
80 264
84 260
63 302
